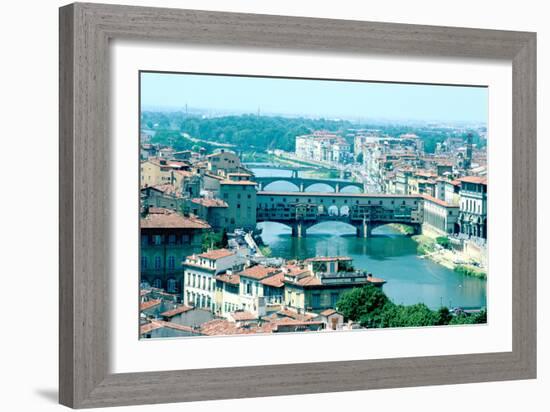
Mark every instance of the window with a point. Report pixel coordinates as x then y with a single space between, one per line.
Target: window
143 262
144 240
171 285
316 300
158 262
238 205
333 299
172 239
238 195
157 283
157 239
171 262
225 195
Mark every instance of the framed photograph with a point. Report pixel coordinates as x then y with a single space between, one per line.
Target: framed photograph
257 205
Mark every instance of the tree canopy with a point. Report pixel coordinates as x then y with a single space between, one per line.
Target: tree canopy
371 307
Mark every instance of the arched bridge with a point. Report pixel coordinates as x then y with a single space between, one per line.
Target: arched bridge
364 211
303 183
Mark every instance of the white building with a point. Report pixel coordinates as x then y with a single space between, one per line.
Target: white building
199 276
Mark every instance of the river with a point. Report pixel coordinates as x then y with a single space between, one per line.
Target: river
387 254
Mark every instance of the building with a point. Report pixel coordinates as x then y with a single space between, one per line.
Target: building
320 282
240 196
224 162
332 319
200 273
166 196
440 215
159 171
472 219
213 210
166 238
256 290
323 146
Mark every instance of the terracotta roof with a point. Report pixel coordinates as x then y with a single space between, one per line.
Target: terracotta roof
328 312
258 272
209 202
216 254
437 201
309 281
375 280
213 176
148 327
176 311
482 180
149 304
242 315
288 313
231 279
275 281
157 324
166 189
295 270
159 218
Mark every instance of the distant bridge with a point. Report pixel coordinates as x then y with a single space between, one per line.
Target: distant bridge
276 166
302 183
365 212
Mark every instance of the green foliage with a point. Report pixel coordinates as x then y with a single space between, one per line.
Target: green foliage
266 251
443 241
471 271
365 305
214 240
371 307
396 316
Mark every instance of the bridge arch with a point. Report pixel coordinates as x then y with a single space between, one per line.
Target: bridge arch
351 189
410 228
295 187
320 187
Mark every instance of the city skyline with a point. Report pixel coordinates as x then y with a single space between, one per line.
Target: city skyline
373 101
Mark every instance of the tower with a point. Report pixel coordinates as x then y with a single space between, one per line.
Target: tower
468 158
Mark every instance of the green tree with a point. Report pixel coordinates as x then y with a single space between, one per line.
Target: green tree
443 241
364 305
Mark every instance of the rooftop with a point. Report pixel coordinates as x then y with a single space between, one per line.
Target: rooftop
275 281
480 180
229 278
209 202
259 272
176 311
160 218
437 201
149 304
216 254
243 316
328 312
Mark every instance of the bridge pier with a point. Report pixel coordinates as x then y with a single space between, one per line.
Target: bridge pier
301 187
337 188
364 230
298 230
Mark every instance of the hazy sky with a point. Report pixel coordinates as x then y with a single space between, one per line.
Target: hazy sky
388 101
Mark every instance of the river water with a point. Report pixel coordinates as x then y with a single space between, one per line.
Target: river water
387 254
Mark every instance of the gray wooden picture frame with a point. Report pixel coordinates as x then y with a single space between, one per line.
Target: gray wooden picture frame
85 32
